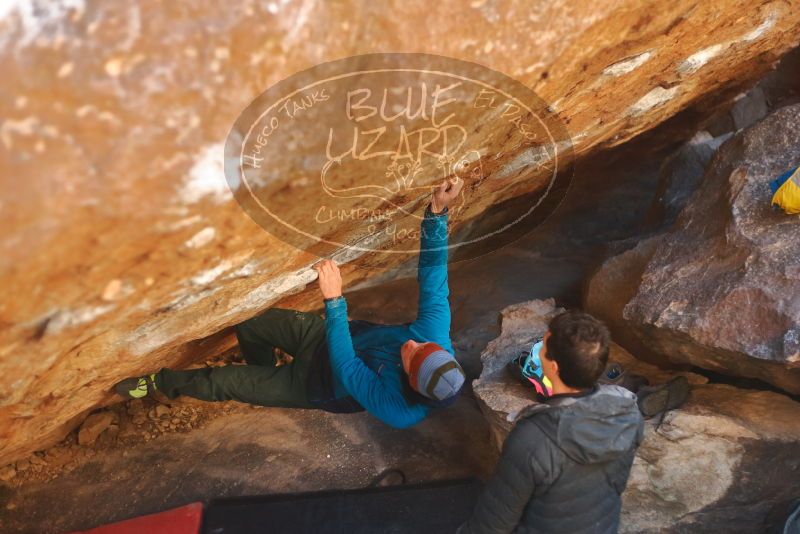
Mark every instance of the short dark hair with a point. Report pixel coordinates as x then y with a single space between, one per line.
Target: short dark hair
579 344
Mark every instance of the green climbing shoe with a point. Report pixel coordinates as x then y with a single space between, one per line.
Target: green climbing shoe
136 387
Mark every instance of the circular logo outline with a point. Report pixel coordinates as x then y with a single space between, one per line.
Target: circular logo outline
241 178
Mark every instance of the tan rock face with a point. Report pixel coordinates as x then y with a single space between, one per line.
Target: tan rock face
121 244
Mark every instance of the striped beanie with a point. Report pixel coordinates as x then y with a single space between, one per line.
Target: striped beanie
435 373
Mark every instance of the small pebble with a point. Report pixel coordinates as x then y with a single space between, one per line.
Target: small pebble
135 407
7 473
112 290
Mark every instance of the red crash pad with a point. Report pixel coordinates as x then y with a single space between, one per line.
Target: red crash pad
183 520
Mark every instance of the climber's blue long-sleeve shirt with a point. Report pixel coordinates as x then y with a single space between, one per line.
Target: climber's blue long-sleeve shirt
367 366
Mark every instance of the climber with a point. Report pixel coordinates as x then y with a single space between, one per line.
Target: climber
567 460
398 373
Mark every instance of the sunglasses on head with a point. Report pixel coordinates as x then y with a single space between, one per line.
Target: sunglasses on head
532 363
531 368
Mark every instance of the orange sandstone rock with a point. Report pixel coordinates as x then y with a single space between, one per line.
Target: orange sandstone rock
113 120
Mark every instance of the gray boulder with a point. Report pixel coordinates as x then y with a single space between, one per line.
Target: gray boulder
680 175
720 288
721 463
749 108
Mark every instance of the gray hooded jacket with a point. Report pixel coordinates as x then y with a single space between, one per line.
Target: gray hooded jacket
563 467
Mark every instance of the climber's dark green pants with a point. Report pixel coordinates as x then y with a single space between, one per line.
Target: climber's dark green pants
260 381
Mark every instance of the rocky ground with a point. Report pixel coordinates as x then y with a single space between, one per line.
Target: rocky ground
126 424
187 452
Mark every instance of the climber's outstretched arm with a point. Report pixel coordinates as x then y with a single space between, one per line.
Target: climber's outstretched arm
433 315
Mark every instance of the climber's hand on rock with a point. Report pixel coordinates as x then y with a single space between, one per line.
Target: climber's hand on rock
330 279
445 193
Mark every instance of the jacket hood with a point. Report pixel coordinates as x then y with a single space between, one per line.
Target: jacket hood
596 427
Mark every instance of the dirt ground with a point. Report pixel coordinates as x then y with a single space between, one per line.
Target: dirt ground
230 450
154 456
